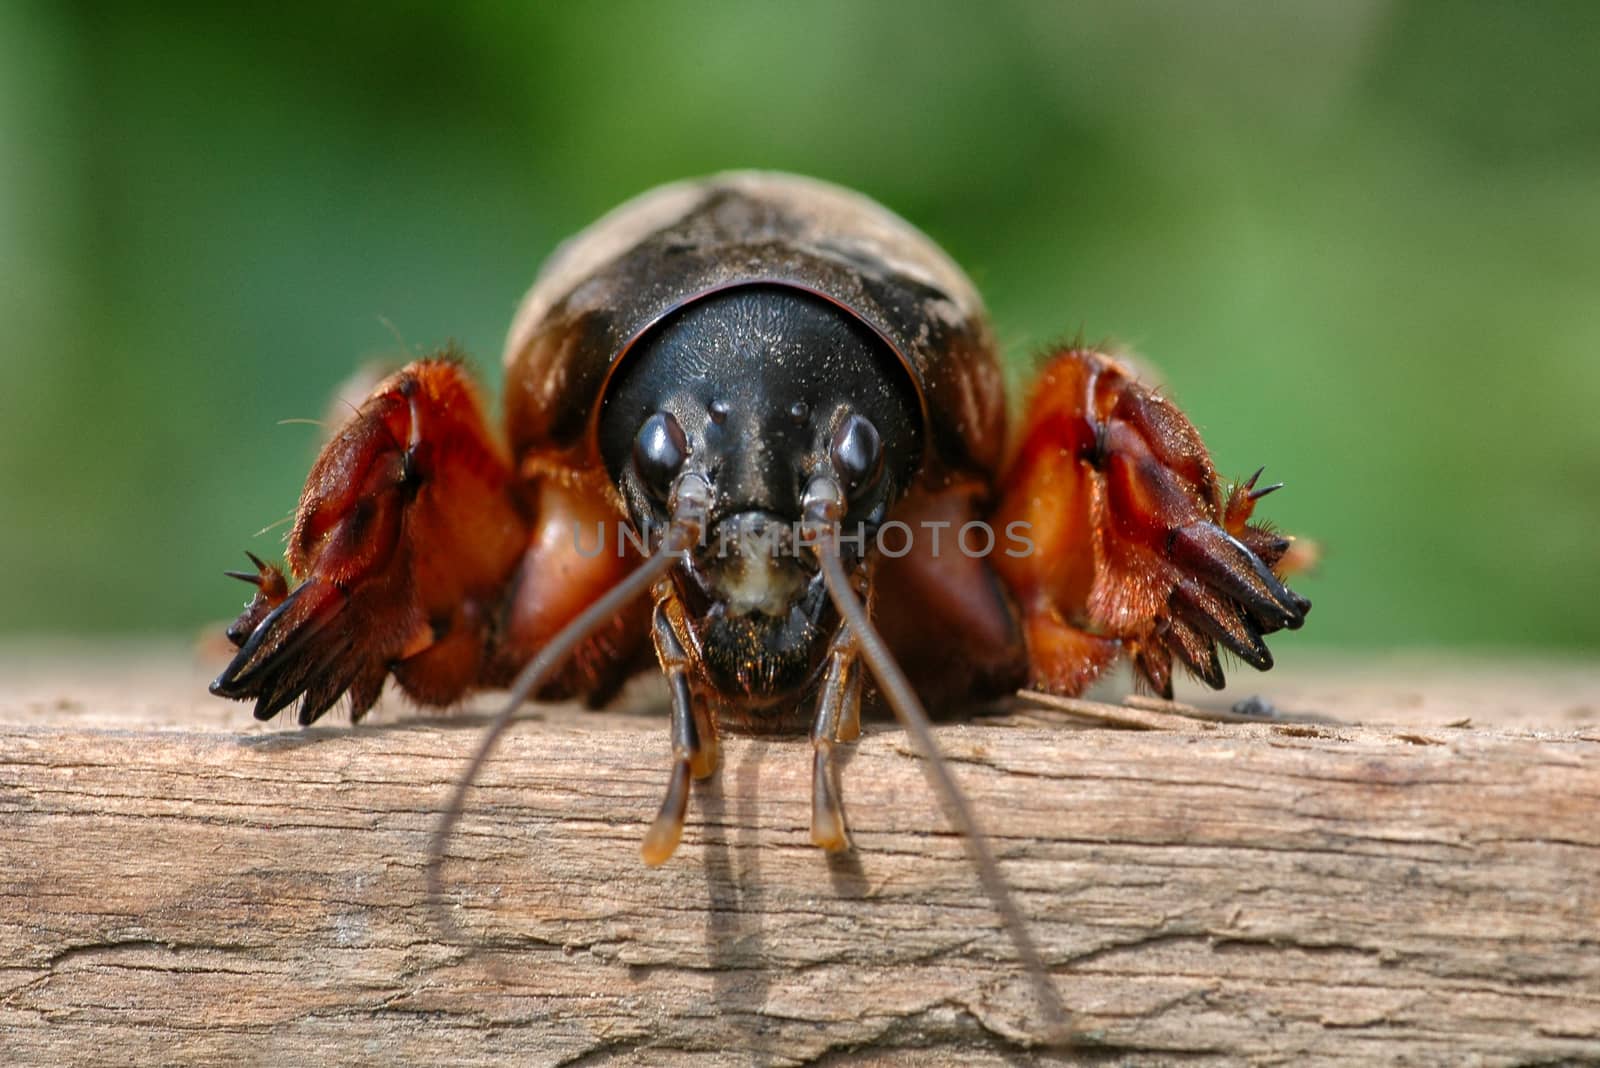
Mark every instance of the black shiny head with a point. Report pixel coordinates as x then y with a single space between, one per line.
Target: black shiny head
757 389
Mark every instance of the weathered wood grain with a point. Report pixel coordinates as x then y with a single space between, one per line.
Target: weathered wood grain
177 886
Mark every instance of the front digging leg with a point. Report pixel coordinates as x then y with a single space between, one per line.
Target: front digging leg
1137 549
405 538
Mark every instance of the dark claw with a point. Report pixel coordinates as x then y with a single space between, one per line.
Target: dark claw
260 576
289 654
320 678
265 645
1221 620
270 592
1254 494
321 696
271 702
1219 560
1198 653
239 631
366 688
296 646
1155 664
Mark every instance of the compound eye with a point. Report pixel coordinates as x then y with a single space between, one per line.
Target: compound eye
658 453
857 453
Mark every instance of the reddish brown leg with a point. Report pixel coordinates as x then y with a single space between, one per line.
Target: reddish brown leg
946 616
405 537
1136 548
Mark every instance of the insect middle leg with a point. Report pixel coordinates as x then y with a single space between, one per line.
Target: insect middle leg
695 751
837 719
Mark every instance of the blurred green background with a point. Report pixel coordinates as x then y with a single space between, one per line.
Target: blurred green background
1362 240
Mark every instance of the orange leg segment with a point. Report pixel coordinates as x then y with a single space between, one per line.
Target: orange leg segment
1136 548
575 553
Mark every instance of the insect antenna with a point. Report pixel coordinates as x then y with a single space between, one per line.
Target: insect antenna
684 529
823 506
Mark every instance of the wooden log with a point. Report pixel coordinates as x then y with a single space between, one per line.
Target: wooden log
178 886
